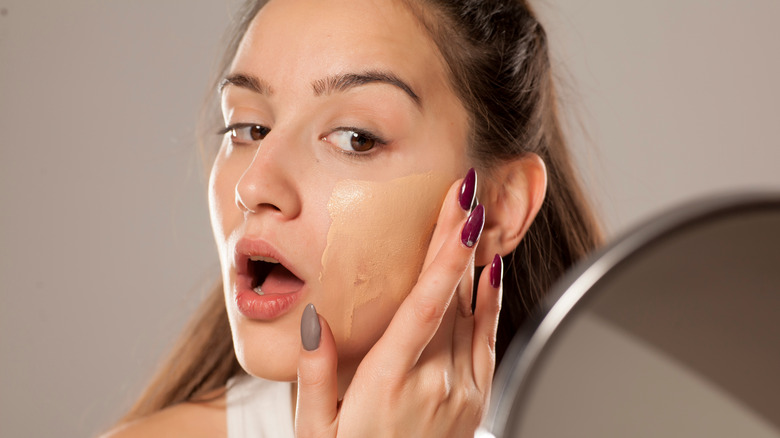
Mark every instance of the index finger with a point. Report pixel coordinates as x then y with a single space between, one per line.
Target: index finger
420 314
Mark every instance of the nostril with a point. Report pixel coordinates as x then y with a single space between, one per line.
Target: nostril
271 190
245 208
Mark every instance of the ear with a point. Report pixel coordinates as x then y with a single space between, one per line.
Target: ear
512 195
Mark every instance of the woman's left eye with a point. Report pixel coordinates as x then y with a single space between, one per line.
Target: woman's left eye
353 140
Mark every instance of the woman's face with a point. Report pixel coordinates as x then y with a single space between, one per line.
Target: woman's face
345 137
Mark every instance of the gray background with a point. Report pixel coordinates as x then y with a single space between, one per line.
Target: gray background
105 246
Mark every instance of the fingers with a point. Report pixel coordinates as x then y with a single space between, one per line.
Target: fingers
317 406
486 323
453 338
452 212
462 193
463 327
419 316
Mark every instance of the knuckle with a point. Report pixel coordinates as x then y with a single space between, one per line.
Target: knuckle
462 398
429 310
490 340
495 307
313 376
440 387
468 403
454 266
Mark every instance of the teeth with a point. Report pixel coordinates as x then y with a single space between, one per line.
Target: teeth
263 259
258 290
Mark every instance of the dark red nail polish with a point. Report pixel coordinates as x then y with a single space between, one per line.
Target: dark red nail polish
468 190
496 271
473 227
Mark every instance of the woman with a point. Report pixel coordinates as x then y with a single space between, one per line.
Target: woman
346 210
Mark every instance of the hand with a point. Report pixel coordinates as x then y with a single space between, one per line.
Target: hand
430 373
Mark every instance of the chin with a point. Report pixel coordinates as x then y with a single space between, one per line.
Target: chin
276 373
263 354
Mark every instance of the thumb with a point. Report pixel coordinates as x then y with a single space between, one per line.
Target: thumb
317 407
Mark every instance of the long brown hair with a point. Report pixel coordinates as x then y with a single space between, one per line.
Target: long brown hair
498 61
498 57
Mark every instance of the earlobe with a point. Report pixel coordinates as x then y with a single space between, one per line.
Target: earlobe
512 195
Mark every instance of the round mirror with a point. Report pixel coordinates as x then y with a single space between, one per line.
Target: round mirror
672 331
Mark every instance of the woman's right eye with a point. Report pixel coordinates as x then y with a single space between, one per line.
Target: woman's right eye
246 133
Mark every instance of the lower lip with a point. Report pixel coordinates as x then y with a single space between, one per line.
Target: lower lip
265 307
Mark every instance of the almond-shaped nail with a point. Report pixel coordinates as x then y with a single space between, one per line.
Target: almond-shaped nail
473 227
468 190
310 328
496 271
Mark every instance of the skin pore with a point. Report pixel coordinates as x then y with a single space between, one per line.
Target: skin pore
309 75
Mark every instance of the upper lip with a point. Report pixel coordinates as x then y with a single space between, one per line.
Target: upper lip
247 247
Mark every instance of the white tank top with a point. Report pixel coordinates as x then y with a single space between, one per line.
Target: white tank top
258 408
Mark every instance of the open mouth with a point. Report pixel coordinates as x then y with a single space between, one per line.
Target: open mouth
271 277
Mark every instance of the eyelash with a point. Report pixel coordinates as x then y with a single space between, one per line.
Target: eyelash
237 126
379 142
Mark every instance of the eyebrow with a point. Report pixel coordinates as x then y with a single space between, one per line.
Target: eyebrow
245 81
329 85
346 81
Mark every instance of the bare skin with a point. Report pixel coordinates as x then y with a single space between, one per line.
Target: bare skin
426 354
196 420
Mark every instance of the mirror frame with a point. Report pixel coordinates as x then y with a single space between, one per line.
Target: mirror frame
517 369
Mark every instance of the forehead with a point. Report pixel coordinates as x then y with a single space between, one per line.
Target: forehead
311 39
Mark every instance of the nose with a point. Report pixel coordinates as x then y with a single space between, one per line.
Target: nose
268 184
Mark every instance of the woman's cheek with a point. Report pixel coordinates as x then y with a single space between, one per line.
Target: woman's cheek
218 204
376 245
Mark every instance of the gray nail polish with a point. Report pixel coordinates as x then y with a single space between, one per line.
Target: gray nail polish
310 328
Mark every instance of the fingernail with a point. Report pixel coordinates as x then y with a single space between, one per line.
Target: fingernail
473 227
310 328
496 271
468 189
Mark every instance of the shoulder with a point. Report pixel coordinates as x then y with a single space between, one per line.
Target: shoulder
181 420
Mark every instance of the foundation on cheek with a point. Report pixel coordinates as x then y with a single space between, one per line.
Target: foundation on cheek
377 240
